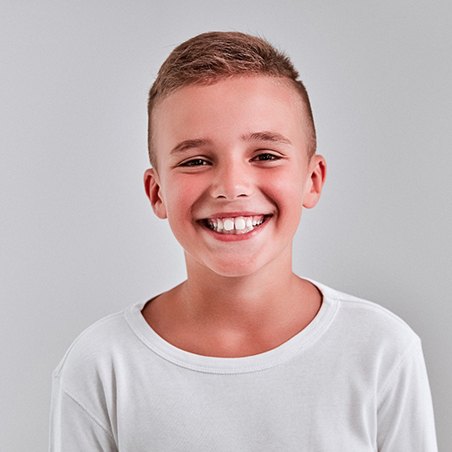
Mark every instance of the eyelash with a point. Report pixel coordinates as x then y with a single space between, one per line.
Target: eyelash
262 157
268 157
191 163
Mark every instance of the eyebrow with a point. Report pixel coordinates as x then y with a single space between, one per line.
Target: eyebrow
189 144
265 136
271 137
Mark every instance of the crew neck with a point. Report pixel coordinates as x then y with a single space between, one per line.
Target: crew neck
226 365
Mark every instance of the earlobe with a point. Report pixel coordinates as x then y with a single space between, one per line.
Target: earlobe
315 181
153 192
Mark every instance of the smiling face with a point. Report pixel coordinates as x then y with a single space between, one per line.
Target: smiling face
233 172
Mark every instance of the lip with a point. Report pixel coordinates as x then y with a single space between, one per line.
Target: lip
235 237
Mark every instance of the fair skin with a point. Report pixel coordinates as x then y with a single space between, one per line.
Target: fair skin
233 178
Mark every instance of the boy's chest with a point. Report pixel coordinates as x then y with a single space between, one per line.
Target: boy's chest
298 411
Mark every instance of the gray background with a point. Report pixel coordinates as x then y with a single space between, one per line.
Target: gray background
77 238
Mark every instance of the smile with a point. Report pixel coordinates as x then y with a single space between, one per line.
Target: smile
235 225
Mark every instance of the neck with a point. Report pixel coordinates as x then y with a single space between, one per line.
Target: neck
244 302
215 315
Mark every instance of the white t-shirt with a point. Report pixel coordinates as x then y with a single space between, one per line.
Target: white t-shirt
353 380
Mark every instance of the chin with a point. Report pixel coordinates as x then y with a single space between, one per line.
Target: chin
233 269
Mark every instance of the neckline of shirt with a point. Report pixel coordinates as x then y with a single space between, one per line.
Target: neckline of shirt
253 363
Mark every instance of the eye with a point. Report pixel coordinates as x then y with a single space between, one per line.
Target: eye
266 156
194 162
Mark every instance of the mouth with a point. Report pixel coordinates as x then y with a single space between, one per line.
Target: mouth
235 225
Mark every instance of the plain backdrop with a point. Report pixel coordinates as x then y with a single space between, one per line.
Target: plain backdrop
77 237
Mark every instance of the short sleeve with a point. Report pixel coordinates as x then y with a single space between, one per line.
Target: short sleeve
73 428
405 413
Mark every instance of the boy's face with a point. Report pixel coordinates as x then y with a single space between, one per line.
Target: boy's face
233 172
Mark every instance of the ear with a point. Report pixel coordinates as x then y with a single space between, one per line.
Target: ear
153 192
315 181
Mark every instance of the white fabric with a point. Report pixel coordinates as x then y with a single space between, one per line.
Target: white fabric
353 380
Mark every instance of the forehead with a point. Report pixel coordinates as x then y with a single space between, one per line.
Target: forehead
229 109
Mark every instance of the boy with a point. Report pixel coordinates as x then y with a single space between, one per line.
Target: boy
244 355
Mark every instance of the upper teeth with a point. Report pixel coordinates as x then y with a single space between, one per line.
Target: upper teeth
235 225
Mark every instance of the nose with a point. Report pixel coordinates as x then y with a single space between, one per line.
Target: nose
231 180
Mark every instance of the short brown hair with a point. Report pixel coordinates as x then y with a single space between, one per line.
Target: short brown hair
212 56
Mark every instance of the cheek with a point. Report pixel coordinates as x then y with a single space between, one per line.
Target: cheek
182 196
286 188
286 191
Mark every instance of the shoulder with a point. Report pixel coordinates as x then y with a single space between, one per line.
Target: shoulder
94 351
84 383
369 341
369 324
371 311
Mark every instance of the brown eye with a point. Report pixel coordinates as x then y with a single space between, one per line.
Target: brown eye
195 162
266 156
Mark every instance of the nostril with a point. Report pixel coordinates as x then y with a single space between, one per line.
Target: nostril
226 189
